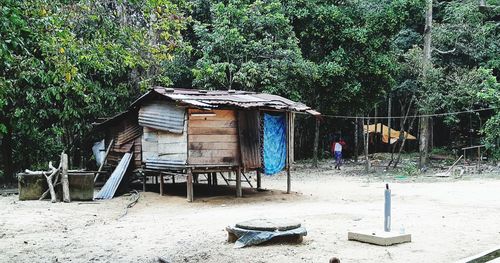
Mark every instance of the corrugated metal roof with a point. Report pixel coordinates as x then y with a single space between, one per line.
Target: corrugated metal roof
236 98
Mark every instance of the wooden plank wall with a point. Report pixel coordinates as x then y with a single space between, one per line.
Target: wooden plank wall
213 140
163 145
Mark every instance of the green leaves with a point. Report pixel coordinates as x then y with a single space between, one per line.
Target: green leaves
63 65
249 46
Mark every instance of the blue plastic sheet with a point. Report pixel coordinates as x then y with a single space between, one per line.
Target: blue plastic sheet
254 237
274 143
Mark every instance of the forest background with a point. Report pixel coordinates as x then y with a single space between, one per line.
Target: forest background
64 64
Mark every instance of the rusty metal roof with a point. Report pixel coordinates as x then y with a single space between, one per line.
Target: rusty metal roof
234 98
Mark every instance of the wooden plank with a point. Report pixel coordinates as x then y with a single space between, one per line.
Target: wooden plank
213 153
170 148
213 138
177 156
213 160
150 155
211 131
213 145
219 114
171 138
149 146
209 123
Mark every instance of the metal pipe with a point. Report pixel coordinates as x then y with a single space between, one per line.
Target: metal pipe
387 209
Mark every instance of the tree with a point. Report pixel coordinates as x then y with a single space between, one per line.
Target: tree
249 45
64 64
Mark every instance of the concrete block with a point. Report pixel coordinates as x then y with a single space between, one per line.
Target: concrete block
31 187
379 238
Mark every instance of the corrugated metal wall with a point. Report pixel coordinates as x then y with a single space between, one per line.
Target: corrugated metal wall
249 135
161 145
162 115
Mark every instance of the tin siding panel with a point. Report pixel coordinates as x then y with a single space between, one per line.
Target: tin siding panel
162 145
163 116
249 135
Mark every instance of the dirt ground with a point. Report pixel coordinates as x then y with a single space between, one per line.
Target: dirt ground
449 219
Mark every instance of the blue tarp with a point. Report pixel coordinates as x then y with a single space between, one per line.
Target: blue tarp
274 143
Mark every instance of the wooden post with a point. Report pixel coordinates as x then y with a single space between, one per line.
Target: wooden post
189 183
366 137
238 182
375 134
161 184
356 135
289 146
389 108
288 181
144 179
316 142
214 179
64 178
259 185
479 159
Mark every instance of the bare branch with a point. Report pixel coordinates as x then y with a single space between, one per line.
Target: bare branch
444 52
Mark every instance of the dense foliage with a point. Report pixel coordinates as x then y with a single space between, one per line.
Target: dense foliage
63 64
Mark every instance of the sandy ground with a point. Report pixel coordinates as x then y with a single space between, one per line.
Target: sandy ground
449 219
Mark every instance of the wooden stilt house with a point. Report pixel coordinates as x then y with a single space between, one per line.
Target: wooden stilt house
190 132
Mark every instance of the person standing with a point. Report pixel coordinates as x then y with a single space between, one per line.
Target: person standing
337 152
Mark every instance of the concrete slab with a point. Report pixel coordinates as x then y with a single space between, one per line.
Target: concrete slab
379 238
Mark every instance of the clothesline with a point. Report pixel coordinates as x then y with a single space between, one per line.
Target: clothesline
410 116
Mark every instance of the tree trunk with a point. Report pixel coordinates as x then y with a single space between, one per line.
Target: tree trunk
424 142
316 143
8 165
424 121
